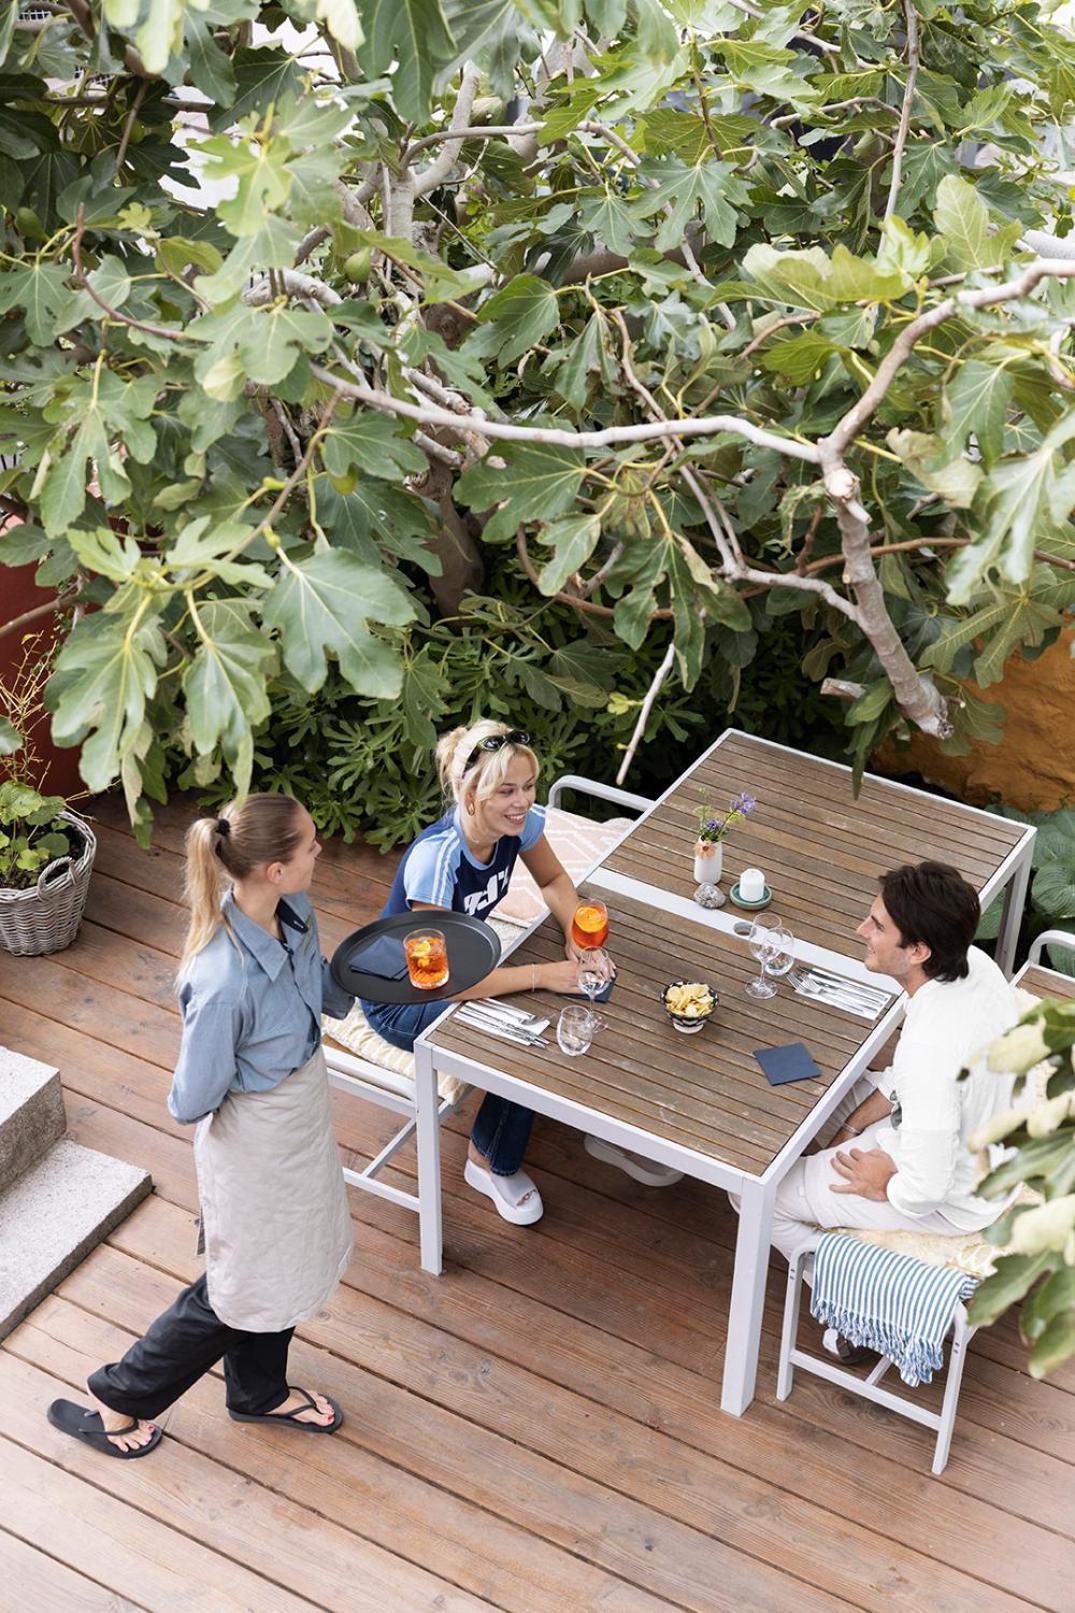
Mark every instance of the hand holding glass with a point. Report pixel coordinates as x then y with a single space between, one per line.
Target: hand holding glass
595 973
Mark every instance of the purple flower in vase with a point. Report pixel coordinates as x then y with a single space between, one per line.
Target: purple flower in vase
712 829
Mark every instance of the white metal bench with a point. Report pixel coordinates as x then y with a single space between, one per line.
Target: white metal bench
943 1421
384 1075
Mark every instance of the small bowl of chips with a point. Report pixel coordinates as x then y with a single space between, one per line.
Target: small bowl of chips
688 1004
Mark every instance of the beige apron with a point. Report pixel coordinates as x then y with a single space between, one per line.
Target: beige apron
274 1206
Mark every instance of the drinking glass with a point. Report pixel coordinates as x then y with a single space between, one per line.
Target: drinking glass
768 942
427 959
589 927
783 958
594 973
576 1028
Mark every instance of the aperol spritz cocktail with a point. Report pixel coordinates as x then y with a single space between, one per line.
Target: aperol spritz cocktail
589 927
427 959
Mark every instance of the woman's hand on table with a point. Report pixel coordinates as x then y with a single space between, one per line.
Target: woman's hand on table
595 958
558 976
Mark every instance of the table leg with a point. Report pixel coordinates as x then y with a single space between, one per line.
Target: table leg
1014 900
427 1137
748 1298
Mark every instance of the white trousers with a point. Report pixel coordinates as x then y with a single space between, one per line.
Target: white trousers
805 1201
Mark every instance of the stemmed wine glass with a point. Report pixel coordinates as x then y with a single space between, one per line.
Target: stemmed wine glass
773 944
595 973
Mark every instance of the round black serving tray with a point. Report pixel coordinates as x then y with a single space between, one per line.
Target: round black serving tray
473 951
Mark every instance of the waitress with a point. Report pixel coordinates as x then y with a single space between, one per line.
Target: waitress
464 862
252 985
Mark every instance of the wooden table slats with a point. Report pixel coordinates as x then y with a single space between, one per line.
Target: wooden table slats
705 1092
820 847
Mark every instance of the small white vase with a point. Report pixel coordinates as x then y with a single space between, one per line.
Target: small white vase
708 864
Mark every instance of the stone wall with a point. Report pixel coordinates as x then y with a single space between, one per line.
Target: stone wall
1034 766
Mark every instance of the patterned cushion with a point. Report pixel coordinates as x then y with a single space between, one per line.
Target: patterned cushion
580 845
357 1035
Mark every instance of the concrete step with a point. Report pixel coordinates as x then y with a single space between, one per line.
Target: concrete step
53 1215
31 1113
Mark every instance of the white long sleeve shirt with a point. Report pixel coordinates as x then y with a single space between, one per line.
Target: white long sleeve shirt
947 1028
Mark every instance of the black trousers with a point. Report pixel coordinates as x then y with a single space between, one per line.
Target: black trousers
180 1347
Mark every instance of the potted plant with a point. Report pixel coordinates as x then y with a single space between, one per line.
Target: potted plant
46 855
712 827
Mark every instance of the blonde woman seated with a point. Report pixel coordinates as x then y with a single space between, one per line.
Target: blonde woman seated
464 862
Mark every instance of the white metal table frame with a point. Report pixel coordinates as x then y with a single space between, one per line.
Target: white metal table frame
756 1193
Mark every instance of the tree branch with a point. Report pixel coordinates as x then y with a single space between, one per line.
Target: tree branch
851 423
295 284
441 166
647 706
916 694
82 14
61 602
905 109
503 431
82 281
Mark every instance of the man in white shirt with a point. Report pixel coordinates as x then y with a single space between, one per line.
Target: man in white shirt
909 1164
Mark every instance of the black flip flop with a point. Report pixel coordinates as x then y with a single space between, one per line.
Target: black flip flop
86 1425
292 1419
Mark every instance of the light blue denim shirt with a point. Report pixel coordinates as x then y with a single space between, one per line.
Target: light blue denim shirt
251 1008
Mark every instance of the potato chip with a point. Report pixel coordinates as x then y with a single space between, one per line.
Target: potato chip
689 999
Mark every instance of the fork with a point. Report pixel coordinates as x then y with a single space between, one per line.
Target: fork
838 999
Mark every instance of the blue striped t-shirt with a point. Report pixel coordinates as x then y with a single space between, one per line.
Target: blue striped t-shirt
440 868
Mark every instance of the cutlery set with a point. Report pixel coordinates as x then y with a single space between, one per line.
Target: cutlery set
498 1018
840 992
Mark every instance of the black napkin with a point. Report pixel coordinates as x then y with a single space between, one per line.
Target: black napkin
789 1062
383 957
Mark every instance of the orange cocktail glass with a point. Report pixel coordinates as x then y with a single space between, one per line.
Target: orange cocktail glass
427 959
589 927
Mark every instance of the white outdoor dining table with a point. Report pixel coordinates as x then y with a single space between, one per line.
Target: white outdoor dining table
701 1103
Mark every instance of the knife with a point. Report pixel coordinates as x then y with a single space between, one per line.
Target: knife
513 1018
855 987
494 1027
835 999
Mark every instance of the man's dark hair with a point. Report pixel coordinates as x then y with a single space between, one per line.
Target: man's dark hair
932 904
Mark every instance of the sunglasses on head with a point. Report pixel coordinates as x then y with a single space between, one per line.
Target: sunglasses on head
495 742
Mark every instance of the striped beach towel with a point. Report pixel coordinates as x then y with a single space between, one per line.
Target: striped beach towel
892 1303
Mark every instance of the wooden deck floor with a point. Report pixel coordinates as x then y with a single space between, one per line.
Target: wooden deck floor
535 1430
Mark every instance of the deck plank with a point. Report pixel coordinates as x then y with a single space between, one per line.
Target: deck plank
536 1430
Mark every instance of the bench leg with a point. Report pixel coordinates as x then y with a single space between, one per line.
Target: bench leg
785 1374
957 1355
427 1127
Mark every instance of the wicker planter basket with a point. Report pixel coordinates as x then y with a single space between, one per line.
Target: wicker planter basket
46 917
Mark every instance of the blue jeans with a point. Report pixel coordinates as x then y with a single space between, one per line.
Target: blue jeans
501 1129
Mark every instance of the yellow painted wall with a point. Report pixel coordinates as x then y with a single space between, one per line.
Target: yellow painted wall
1034 766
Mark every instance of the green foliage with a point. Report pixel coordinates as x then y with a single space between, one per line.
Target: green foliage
31 834
693 220
1052 888
1040 1135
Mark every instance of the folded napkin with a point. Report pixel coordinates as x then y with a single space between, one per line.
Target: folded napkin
892 1303
383 956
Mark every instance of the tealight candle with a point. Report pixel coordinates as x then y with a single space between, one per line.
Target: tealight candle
752 884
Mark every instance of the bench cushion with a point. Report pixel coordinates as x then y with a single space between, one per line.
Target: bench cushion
357 1036
580 844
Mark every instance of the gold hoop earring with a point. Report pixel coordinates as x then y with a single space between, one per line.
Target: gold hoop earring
470 809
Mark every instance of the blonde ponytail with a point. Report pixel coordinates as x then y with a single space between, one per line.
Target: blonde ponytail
264 829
